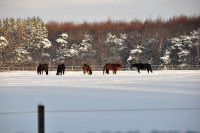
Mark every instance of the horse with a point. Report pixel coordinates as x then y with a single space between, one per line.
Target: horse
87 68
142 67
113 67
60 69
41 68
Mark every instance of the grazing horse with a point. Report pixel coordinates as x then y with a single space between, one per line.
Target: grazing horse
60 69
142 67
87 68
113 67
41 68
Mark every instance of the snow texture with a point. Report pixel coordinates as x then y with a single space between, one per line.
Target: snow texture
23 91
3 41
46 43
133 53
21 51
74 49
113 39
63 40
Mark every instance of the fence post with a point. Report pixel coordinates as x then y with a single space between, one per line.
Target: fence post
72 68
40 118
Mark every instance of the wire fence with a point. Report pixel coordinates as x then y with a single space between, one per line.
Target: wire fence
105 110
41 113
100 68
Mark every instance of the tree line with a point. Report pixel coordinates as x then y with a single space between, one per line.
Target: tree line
110 41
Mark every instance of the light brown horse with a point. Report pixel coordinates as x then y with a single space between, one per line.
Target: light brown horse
87 68
113 67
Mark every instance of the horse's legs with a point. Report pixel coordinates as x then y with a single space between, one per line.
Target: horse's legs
84 71
151 70
107 70
63 72
148 70
114 72
138 70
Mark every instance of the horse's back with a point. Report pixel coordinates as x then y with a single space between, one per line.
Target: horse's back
85 66
62 66
147 65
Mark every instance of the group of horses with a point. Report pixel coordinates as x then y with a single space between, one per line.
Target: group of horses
87 69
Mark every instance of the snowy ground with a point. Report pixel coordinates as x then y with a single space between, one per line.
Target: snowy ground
23 91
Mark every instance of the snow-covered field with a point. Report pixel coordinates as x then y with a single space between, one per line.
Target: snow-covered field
168 93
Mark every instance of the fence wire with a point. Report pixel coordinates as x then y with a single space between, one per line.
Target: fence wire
100 68
104 110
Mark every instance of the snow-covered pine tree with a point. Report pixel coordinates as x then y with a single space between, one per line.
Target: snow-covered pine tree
183 50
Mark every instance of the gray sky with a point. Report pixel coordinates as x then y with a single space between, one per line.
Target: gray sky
97 10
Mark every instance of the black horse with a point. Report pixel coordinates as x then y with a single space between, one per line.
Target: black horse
142 67
41 68
60 69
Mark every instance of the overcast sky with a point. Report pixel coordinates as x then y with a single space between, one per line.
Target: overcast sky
97 10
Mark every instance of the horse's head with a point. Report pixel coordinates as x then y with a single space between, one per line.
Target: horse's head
90 72
120 66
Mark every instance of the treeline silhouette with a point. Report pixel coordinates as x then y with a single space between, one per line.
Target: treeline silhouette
28 42
173 27
138 33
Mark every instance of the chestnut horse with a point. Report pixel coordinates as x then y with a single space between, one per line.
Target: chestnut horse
41 68
86 68
113 67
60 69
142 67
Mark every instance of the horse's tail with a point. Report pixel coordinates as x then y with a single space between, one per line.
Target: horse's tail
47 71
90 70
104 69
38 69
150 68
131 67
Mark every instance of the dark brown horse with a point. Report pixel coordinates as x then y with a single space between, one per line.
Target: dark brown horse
113 67
142 67
87 68
41 68
60 69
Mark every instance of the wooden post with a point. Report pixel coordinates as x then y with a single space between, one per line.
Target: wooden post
72 68
40 118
